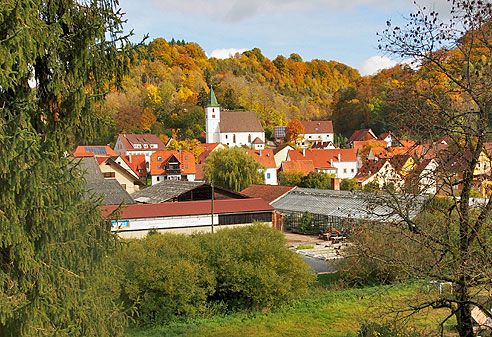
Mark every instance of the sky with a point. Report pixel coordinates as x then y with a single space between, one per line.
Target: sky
339 30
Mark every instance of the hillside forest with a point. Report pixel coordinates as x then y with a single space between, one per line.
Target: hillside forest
169 83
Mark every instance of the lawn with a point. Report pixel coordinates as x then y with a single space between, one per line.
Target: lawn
327 312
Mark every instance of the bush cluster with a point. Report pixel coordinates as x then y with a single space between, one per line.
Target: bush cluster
166 276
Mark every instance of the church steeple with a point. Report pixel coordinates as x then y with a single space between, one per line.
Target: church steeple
212 100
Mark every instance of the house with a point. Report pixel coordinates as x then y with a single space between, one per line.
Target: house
118 169
266 158
390 140
172 165
188 217
423 177
234 128
323 145
137 164
317 132
302 166
340 162
94 151
132 144
280 154
109 191
181 190
361 136
208 148
379 172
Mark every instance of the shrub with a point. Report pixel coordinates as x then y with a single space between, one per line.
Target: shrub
167 276
164 277
349 185
254 268
305 247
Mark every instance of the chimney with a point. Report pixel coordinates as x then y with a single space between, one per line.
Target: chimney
260 152
304 152
335 184
339 157
331 162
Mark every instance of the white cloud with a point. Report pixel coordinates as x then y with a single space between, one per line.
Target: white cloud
375 63
226 53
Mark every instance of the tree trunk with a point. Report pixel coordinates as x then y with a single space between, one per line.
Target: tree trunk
463 315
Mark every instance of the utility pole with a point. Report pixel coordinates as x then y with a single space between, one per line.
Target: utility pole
212 184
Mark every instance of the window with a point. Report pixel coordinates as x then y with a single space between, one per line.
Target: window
226 138
157 178
268 175
213 110
352 170
234 138
108 174
159 158
249 138
344 170
146 146
213 116
231 219
186 166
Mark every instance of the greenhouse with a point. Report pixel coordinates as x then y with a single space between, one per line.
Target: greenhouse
312 210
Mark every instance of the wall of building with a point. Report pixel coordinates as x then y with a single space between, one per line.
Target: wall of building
138 228
316 137
271 176
345 169
242 138
121 177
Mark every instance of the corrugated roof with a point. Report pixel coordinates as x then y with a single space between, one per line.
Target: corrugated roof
311 127
165 190
188 208
269 193
345 204
239 121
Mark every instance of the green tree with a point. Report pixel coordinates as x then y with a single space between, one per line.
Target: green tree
349 185
233 169
290 178
318 180
54 279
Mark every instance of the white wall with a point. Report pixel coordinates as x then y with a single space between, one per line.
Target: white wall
317 137
138 228
281 156
345 169
272 172
212 119
242 138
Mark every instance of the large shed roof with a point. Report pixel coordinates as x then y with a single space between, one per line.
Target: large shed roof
346 204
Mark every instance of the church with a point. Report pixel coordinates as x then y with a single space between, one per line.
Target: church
233 128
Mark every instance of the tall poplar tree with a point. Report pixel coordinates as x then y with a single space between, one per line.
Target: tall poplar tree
57 60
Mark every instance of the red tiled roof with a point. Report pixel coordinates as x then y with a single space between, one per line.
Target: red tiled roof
128 141
317 127
185 157
269 193
209 146
264 157
303 166
167 209
258 141
370 168
137 164
91 151
407 143
362 135
323 158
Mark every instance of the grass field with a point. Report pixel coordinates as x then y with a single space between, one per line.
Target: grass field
327 312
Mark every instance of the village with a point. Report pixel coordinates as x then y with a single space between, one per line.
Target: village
166 190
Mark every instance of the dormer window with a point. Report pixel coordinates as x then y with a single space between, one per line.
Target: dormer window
153 146
146 146
159 158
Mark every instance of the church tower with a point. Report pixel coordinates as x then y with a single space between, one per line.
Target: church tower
212 119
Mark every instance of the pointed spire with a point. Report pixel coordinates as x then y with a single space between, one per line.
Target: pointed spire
212 100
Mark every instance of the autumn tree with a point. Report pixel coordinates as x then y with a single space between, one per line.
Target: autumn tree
294 132
450 96
233 169
54 244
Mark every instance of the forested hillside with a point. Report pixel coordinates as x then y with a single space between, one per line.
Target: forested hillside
169 84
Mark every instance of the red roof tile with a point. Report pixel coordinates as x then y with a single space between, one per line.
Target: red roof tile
167 209
185 157
323 158
370 168
269 193
311 127
137 164
94 151
129 140
264 157
359 144
362 135
303 166
209 146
